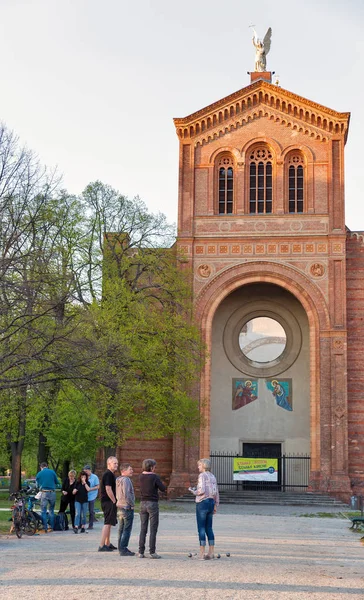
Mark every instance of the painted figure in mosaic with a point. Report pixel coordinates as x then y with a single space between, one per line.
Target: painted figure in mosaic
243 394
280 395
261 50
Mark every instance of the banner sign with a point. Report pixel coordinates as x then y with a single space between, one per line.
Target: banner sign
255 469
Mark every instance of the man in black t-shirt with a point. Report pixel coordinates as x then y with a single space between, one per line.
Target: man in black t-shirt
108 503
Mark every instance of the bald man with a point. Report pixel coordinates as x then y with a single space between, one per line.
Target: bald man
108 503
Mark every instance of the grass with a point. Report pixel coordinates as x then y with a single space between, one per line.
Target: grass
5 502
322 515
333 515
4 522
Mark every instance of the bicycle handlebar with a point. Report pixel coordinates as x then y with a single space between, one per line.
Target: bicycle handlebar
23 493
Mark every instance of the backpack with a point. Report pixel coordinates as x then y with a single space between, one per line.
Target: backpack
60 522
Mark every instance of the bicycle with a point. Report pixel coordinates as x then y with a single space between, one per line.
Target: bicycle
23 519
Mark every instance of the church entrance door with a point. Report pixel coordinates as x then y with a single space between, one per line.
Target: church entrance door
263 450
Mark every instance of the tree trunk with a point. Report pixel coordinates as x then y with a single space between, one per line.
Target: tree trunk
65 469
109 451
16 452
18 445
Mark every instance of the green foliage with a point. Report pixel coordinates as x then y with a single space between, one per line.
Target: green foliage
74 428
97 341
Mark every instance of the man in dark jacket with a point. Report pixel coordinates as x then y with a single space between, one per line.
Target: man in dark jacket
150 483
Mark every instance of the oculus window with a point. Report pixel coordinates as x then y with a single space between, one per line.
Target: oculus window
262 339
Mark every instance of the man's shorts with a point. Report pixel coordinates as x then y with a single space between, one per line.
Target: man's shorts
109 509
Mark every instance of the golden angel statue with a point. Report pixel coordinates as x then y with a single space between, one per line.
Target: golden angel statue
261 50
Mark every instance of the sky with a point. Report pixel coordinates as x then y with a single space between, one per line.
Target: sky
92 86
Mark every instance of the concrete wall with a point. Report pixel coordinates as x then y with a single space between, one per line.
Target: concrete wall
262 420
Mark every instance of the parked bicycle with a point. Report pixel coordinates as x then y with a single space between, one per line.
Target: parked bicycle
24 521
32 505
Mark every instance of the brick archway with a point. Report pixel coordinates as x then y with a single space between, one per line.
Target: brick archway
312 300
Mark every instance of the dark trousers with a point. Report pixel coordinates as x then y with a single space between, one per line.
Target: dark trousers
125 518
65 501
204 514
91 510
149 511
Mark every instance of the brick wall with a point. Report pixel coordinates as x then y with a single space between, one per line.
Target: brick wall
135 451
355 324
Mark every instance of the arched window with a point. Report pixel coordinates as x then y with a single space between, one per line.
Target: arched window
226 185
295 183
260 181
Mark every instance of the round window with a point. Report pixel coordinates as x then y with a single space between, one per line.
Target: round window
262 339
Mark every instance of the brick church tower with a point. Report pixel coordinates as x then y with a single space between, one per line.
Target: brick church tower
278 283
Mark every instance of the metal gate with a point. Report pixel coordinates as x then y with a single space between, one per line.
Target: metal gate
293 473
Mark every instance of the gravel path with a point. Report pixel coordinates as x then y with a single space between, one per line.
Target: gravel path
275 554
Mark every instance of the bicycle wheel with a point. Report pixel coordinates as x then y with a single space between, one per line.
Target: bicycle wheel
18 529
17 521
30 526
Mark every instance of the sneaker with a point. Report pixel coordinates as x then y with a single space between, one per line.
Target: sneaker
154 555
141 555
75 530
127 552
112 547
83 530
104 549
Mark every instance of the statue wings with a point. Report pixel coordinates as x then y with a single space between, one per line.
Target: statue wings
267 40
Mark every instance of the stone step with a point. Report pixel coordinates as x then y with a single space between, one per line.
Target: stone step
277 498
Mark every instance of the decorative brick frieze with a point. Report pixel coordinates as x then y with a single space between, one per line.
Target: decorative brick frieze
287 247
213 226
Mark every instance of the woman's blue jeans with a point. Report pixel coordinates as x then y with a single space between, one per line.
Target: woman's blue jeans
81 510
204 514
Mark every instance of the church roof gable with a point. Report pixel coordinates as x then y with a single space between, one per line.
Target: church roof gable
261 99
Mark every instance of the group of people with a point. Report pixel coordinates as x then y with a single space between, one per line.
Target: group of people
118 502
78 493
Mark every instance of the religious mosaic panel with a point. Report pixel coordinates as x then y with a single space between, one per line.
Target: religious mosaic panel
282 392
245 391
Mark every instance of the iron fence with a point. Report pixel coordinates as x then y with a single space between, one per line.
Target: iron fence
293 473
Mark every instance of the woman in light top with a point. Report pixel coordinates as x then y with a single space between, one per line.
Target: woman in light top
207 501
